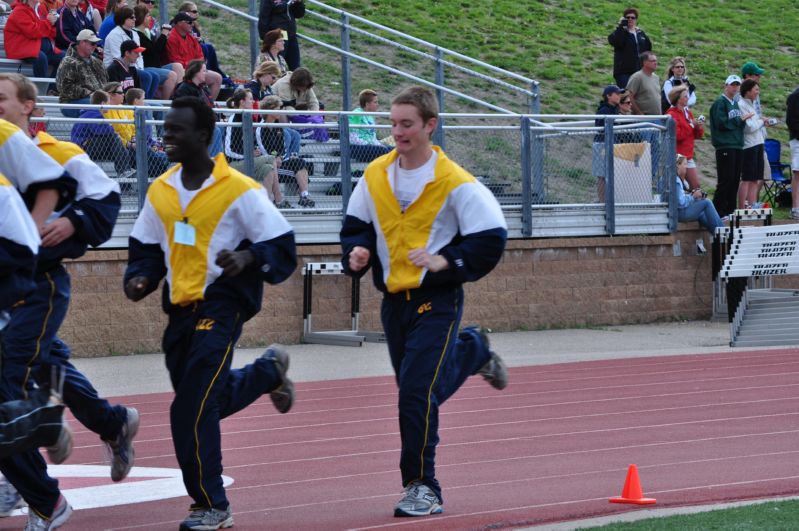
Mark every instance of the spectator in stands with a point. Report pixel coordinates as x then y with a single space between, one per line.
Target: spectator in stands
71 21
80 73
677 75
123 31
609 105
752 161
688 130
29 37
209 52
108 22
272 50
94 15
625 103
234 140
45 6
751 70
364 145
123 69
295 90
289 164
727 124
182 47
194 86
644 87
154 45
99 140
157 162
792 122
194 83
692 203
263 78
628 42
283 15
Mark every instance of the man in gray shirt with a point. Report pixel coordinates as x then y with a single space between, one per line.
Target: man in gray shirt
644 86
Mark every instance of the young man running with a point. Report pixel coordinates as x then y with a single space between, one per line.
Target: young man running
425 226
30 342
216 236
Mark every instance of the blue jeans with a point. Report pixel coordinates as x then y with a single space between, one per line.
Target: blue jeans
291 142
216 142
702 211
149 82
47 58
74 113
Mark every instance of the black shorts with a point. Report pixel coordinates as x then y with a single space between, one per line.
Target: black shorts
753 165
289 167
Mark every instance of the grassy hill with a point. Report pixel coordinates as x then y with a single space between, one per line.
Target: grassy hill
562 44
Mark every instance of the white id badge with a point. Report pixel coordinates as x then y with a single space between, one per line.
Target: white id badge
184 234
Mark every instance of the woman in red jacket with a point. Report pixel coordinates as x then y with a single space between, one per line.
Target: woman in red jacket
688 130
30 38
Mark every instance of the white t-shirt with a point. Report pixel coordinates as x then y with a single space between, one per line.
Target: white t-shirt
408 184
187 195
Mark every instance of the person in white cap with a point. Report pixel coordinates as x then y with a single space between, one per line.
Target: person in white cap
727 124
80 73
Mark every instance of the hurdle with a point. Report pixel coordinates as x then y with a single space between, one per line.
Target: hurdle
354 337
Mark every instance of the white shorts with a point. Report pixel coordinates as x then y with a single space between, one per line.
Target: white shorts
690 163
794 154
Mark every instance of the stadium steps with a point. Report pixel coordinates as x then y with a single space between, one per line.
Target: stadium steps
769 319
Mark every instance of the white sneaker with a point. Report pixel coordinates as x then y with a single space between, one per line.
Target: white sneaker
418 500
60 515
795 213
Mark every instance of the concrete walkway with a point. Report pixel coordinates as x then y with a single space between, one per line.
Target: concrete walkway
145 373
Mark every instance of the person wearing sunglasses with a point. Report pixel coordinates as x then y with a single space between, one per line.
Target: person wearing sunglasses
677 75
629 42
80 73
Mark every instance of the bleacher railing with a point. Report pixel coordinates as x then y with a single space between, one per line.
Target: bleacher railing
445 71
545 171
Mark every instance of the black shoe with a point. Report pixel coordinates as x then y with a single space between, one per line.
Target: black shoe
306 201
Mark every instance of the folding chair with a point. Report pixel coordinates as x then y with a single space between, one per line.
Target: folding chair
779 182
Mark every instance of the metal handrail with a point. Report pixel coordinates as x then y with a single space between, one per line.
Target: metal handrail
422 42
533 94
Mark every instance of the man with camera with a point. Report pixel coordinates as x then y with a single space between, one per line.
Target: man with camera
628 42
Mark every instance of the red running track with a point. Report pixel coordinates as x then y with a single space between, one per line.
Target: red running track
554 446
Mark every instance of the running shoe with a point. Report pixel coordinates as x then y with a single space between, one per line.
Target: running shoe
122 454
495 372
60 515
283 396
418 500
205 519
9 498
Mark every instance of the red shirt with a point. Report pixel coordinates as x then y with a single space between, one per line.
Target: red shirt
24 32
181 49
685 133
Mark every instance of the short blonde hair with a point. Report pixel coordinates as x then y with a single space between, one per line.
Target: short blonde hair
267 67
270 103
676 93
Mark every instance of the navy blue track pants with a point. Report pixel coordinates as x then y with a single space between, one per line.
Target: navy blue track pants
198 343
431 360
30 346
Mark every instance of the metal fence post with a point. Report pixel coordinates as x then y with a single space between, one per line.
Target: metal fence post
535 98
670 169
163 12
254 37
142 169
248 143
527 196
438 134
610 201
346 74
344 154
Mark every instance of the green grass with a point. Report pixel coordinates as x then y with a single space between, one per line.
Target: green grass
762 516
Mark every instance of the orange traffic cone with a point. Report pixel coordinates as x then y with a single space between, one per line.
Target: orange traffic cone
632 491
